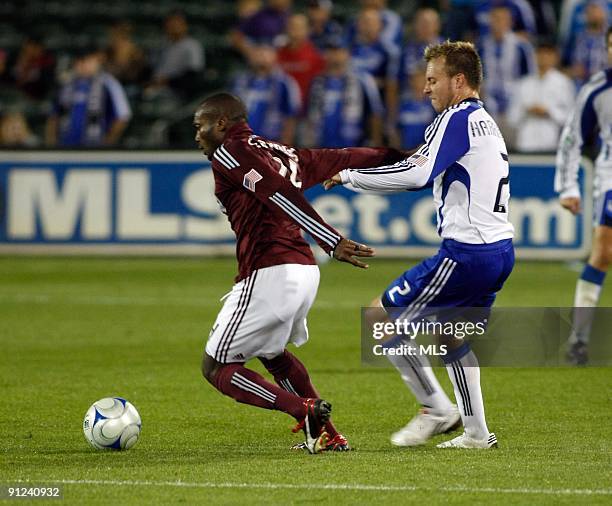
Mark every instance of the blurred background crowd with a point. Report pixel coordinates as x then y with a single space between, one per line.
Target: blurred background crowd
111 73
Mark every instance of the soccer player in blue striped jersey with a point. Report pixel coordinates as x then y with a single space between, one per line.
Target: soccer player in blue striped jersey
465 159
593 113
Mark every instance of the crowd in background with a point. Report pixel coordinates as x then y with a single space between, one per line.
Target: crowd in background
311 80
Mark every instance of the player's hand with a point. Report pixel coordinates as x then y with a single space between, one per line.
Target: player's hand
572 204
347 250
336 180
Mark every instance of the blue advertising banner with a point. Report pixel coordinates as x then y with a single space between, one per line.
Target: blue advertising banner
164 203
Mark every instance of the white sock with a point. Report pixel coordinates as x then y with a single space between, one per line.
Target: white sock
419 377
464 373
585 302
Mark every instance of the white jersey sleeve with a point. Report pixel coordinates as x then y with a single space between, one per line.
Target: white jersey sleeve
446 141
465 160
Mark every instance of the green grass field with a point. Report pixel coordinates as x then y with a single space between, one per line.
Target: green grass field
75 330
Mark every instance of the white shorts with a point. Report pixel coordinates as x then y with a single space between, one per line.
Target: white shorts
263 313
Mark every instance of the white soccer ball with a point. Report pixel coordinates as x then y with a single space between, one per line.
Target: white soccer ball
112 423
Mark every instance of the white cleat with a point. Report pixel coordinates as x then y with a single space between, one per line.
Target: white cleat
426 424
464 441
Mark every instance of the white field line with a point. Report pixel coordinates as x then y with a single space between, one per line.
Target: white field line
112 300
332 486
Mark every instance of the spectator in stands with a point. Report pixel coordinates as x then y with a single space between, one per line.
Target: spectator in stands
15 133
573 23
299 57
541 104
425 31
322 26
271 96
91 109
459 19
181 63
523 18
545 17
416 112
247 8
263 27
33 72
372 54
506 57
124 59
391 33
344 106
589 54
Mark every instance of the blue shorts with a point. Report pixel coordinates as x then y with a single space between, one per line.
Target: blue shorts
459 275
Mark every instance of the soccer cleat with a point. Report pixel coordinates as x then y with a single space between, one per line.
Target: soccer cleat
426 424
464 441
318 412
336 444
577 353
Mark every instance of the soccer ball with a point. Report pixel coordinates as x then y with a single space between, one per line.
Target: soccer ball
112 423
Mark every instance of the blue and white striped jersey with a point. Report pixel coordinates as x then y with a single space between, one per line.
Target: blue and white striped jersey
593 112
269 100
465 159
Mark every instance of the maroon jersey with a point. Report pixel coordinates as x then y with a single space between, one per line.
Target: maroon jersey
259 185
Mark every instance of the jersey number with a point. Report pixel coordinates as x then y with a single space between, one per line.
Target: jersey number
292 169
501 201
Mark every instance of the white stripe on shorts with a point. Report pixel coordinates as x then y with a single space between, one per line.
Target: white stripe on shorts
431 290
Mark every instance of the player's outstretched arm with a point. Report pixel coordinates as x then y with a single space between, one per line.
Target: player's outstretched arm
448 144
318 165
347 250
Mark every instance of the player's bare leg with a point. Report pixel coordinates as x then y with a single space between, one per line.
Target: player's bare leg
291 375
588 290
438 414
247 386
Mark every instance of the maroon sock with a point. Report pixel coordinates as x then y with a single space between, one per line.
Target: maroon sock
248 387
292 375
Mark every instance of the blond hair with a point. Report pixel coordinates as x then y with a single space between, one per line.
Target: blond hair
459 58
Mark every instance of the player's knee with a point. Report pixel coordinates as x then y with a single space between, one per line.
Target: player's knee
209 368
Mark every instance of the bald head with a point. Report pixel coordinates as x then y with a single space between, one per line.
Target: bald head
214 117
223 105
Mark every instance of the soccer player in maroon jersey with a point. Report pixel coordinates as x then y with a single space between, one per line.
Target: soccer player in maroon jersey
259 185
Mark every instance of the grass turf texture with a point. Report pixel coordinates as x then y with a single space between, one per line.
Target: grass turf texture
75 330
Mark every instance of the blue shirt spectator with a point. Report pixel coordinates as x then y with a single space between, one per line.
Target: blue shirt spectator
506 58
91 110
589 53
271 96
523 17
391 33
344 105
426 31
416 112
322 27
574 22
370 53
